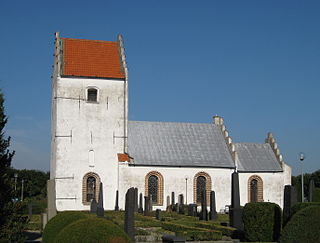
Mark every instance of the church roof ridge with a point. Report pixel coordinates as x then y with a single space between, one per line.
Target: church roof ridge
172 122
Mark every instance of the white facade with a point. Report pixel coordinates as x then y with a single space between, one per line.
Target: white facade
88 136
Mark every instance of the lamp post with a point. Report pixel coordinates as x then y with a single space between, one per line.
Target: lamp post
302 156
22 183
15 181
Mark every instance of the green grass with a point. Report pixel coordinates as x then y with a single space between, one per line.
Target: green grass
34 223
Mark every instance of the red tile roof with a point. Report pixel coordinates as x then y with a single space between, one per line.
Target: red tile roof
91 58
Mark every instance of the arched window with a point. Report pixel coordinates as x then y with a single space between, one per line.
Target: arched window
154 187
255 189
90 187
201 186
92 95
201 182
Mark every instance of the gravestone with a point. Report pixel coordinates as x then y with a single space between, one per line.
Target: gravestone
213 212
290 199
192 210
146 205
235 214
311 188
129 213
116 207
168 202
181 205
140 209
100 209
172 199
150 203
136 199
158 214
203 213
93 206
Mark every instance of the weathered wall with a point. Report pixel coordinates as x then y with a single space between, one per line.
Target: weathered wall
82 127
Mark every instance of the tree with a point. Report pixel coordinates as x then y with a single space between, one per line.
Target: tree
11 222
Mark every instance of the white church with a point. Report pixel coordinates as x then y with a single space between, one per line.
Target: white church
93 141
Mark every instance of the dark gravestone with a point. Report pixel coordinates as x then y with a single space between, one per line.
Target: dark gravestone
100 209
192 210
136 199
290 199
146 205
311 188
235 214
129 214
203 213
30 210
140 209
172 198
116 207
93 206
213 212
150 203
158 214
181 205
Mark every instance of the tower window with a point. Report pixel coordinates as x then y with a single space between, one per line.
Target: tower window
92 95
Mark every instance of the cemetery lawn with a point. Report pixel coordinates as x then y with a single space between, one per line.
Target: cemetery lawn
34 223
148 228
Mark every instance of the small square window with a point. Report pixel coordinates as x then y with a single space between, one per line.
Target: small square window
92 95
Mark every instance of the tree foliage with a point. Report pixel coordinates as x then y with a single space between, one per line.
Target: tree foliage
11 221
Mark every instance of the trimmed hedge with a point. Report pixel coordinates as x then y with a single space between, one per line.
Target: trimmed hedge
262 221
299 206
60 221
98 230
225 230
316 195
303 226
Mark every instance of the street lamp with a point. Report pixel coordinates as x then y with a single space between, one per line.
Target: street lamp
302 156
15 181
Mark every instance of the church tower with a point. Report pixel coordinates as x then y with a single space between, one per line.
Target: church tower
89 120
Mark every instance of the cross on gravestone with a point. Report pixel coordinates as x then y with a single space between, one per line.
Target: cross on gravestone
116 207
93 206
129 213
136 199
235 214
158 214
213 212
204 211
140 209
290 199
146 205
192 210
100 209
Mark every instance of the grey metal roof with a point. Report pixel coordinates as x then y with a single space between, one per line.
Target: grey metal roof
177 144
256 157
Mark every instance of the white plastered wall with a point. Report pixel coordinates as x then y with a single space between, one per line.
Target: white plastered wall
81 127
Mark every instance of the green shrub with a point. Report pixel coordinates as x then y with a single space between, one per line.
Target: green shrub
299 206
60 221
262 221
303 226
98 230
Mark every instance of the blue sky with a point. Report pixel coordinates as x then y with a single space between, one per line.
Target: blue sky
255 63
